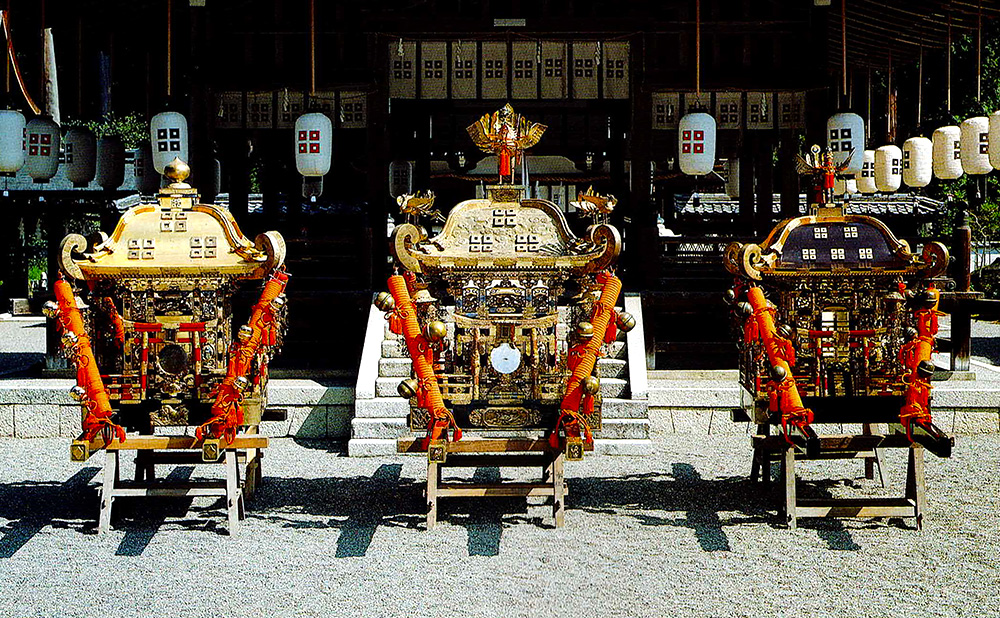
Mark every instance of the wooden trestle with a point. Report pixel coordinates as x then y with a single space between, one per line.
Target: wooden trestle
770 448
495 452
246 451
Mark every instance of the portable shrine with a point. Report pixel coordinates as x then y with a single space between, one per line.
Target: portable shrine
837 319
152 337
504 314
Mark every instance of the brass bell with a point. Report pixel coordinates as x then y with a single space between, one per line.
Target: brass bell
407 388
778 373
244 333
585 330
591 385
384 301
925 369
242 383
435 330
625 321
279 302
50 309
786 331
910 333
78 393
745 308
730 296
69 339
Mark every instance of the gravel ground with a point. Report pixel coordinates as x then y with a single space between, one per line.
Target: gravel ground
678 533
22 344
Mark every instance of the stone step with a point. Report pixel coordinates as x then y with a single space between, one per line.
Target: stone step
614 387
614 408
624 429
395 367
611 368
382 407
394 348
694 394
384 428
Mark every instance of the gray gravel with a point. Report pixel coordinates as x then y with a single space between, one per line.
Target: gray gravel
678 533
22 344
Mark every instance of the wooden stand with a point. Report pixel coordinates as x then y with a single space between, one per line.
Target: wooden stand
153 450
495 452
775 448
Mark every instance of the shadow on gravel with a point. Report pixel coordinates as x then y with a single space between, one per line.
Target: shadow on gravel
485 525
354 505
33 505
987 347
153 514
683 491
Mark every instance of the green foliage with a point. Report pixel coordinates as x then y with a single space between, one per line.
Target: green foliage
132 128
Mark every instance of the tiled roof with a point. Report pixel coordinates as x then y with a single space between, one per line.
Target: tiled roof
896 204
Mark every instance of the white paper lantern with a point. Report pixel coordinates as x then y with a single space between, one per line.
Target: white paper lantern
888 168
696 144
733 177
866 178
918 166
994 138
80 156
313 144
42 160
844 132
147 179
976 145
12 138
168 132
110 162
947 152
842 185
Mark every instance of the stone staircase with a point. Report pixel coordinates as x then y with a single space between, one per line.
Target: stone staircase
380 414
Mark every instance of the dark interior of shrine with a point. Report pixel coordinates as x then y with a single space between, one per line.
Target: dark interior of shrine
609 125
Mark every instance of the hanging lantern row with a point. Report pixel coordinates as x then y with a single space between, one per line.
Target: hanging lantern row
951 152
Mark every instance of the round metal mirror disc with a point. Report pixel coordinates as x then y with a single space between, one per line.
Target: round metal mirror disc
505 358
172 359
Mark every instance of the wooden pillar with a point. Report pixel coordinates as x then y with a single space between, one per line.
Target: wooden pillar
763 171
961 319
747 197
642 259
789 174
237 171
378 160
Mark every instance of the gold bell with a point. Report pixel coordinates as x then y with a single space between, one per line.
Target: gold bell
69 339
78 393
407 388
435 330
50 309
279 302
584 330
244 333
591 385
625 321
384 301
423 297
242 383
